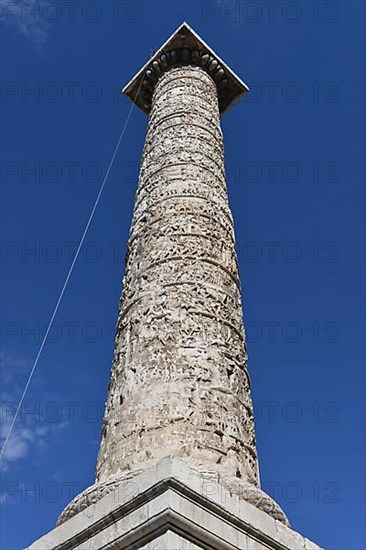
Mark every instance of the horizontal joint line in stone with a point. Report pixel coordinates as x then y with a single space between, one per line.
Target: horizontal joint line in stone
200 235
191 313
135 233
197 74
181 163
204 140
172 181
161 96
158 130
216 204
185 149
173 284
195 258
154 126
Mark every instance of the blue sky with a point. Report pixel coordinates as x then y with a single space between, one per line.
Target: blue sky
294 150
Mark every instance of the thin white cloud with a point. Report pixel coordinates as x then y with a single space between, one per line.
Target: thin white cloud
27 18
32 431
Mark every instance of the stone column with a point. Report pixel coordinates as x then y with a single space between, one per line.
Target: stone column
179 385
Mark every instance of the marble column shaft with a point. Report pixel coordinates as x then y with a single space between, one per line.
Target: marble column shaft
179 384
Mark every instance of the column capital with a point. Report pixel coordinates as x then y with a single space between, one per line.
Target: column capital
185 47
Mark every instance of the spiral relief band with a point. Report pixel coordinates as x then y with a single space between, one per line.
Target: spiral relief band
179 384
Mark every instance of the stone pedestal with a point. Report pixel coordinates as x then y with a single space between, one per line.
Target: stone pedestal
178 466
179 384
172 507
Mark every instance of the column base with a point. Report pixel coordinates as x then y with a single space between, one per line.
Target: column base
235 486
170 506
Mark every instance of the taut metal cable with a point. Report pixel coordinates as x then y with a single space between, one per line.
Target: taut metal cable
67 278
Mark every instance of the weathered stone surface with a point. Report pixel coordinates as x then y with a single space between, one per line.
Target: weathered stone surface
170 541
177 466
172 507
179 383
